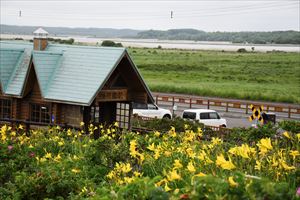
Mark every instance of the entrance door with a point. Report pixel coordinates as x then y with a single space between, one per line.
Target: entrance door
107 112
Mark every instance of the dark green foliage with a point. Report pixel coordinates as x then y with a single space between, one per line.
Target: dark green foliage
109 43
61 41
242 50
22 176
164 124
143 189
233 136
292 126
243 135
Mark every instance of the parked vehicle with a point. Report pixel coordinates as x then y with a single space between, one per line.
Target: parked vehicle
205 116
150 110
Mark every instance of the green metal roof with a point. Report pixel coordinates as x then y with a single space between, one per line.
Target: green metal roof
14 62
45 64
79 72
65 73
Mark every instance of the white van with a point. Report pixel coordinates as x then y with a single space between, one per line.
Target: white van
205 116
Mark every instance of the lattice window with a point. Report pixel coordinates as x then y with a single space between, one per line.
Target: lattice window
5 108
123 115
95 113
40 113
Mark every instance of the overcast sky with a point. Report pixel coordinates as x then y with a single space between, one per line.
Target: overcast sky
207 15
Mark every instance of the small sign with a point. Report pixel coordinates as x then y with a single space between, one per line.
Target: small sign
256 113
113 95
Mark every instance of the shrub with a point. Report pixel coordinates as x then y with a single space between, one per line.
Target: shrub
164 124
69 164
109 43
242 50
292 126
61 41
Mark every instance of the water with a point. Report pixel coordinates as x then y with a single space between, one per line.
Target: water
173 44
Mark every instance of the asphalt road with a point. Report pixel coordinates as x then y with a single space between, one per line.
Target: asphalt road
235 117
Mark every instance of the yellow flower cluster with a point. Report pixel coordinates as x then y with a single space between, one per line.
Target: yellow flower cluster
264 145
134 153
223 163
175 158
122 173
244 151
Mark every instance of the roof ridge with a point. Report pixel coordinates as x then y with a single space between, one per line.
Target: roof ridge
15 42
14 70
12 49
48 52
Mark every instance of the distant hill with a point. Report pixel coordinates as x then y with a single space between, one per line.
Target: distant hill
63 31
274 37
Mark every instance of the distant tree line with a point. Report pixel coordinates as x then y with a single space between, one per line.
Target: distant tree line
275 37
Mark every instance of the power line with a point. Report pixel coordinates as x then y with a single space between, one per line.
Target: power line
187 14
231 8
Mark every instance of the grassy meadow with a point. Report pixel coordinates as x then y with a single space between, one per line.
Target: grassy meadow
271 76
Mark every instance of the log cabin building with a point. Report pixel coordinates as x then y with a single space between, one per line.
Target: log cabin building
67 84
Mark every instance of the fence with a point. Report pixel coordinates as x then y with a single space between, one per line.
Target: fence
244 106
27 124
138 127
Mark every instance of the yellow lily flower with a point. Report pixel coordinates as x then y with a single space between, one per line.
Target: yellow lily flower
191 167
173 175
151 147
286 134
294 153
167 189
75 170
223 163
232 183
177 164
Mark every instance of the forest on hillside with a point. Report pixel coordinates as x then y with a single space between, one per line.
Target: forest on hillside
275 37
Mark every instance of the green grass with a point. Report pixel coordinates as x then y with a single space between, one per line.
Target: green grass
254 76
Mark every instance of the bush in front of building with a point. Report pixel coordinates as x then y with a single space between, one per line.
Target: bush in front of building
70 164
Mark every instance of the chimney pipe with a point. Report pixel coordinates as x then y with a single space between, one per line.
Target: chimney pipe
40 39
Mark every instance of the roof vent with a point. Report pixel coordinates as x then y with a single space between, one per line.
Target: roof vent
40 33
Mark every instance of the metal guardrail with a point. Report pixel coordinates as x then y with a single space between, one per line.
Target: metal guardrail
242 105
